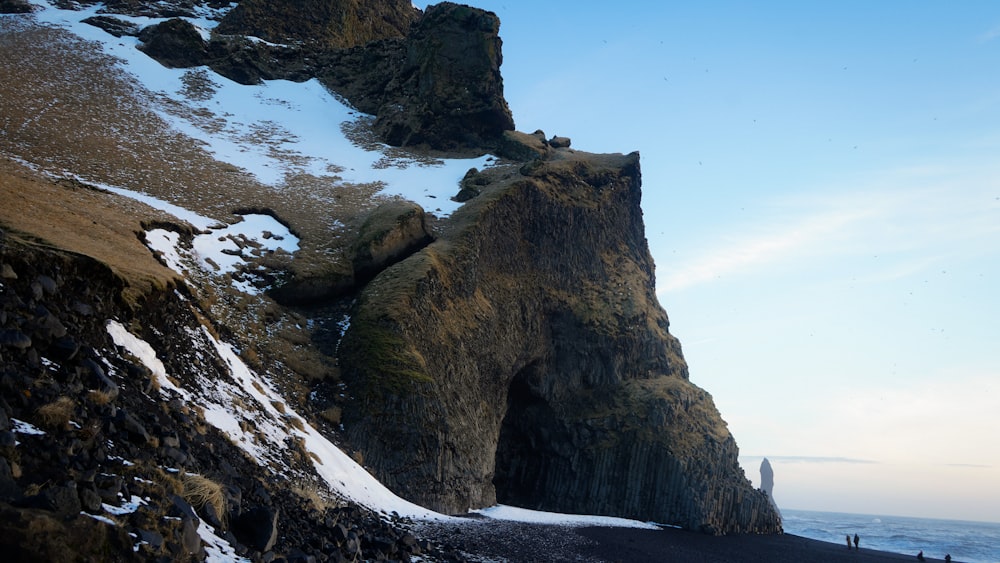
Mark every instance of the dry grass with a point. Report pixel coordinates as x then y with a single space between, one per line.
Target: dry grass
316 494
296 423
200 491
332 415
57 414
99 397
69 107
97 224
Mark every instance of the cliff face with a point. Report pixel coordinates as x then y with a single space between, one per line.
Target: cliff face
326 23
523 358
512 352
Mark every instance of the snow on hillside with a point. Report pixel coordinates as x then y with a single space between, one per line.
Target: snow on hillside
276 129
273 130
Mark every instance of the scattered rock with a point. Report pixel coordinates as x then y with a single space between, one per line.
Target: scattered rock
523 146
62 500
113 25
13 338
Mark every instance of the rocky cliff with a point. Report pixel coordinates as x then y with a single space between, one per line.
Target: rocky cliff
523 358
512 352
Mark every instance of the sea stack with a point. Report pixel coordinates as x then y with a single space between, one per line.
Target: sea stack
767 481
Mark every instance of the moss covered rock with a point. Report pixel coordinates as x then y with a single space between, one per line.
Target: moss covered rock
523 357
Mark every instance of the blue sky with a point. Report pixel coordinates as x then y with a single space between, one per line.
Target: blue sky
821 189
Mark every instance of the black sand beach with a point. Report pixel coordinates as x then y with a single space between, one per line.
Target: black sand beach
520 542
627 546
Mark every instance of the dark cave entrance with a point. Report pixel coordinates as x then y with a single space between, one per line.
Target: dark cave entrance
525 442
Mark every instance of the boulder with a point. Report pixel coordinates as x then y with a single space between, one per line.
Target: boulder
393 231
560 142
519 146
257 528
175 43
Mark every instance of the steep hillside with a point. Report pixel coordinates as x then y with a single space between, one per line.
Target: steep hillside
226 294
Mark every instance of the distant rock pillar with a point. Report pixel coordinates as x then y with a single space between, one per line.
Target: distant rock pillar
767 481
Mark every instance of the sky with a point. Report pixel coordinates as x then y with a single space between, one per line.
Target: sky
821 192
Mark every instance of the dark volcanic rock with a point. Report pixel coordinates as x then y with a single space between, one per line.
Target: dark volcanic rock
321 23
449 90
440 86
15 7
174 43
257 528
113 25
523 357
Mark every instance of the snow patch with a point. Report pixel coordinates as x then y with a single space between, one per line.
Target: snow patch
100 518
217 550
144 352
278 128
513 513
166 244
22 427
126 508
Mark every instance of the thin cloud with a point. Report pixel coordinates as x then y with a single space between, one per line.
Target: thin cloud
937 210
990 35
972 465
810 459
731 258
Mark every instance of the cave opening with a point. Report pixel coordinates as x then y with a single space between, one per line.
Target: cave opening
525 441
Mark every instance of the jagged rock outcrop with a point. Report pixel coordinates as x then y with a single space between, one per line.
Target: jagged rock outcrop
320 23
174 43
440 86
523 357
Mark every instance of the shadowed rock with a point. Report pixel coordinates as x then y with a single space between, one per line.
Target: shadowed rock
393 231
174 43
440 86
523 358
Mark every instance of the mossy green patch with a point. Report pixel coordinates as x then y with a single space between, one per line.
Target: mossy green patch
387 363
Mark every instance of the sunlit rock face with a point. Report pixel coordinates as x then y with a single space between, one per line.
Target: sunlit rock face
439 86
523 358
322 23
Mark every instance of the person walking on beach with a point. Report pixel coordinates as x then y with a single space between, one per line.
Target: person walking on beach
848 541
856 539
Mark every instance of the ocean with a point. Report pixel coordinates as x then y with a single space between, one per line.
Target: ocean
967 542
